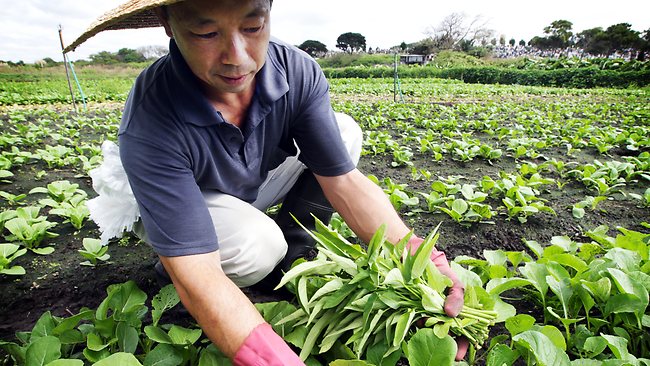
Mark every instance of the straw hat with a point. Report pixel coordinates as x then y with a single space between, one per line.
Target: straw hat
130 15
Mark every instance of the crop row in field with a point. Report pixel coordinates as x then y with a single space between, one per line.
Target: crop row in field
542 194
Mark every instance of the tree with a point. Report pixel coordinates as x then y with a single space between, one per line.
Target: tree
522 42
542 43
313 48
512 42
351 42
622 37
423 47
559 33
465 45
123 55
129 55
559 36
454 32
103 57
645 45
593 41
50 62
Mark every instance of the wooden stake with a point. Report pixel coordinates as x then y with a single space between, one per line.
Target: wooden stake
65 63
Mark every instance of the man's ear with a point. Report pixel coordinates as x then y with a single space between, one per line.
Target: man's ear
163 16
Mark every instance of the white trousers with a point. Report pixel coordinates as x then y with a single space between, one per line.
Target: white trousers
250 243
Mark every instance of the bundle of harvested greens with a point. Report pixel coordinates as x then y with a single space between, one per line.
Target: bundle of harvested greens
370 299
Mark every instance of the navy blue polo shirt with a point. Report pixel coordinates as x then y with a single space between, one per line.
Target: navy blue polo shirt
175 144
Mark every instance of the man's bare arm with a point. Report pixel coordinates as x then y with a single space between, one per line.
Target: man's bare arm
224 313
363 205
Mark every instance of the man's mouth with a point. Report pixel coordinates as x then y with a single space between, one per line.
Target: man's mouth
233 79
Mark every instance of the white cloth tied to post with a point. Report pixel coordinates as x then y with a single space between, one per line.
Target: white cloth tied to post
115 209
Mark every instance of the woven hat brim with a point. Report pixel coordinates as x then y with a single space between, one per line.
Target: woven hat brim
133 14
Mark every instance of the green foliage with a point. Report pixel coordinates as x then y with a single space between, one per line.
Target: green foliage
643 198
604 178
351 42
9 252
94 252
369 300
578 209
30 229
343 59
58 192
124 55
593 295
427 339
573 78
448 58
462 203
446 123
112 334
397 193
595 41
49 86
13 199
578 63
313 48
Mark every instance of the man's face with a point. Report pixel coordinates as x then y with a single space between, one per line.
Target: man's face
224 42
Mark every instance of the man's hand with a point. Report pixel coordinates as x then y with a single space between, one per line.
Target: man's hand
456 293
225 314
365 207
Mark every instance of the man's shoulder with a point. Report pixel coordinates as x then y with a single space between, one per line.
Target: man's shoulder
289 55
152 73
149 101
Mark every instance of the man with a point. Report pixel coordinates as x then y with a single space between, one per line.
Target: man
201 130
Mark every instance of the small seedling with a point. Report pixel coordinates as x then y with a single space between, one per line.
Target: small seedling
94 252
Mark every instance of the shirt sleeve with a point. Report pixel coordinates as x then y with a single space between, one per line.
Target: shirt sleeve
315 129
173 210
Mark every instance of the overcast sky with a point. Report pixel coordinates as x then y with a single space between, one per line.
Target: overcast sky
29 28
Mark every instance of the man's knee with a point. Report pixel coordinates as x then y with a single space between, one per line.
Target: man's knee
261 247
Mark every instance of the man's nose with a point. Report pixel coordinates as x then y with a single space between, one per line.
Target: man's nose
234 52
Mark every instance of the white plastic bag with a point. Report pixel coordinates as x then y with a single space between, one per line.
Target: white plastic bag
114 210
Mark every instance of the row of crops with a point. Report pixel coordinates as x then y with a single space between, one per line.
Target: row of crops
567 170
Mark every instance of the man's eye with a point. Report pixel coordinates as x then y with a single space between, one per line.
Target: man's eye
252 29
207 35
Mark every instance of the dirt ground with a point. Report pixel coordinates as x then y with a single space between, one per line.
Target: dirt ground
57 282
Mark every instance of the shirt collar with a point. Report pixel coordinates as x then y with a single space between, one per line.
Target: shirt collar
186 93
271 85
272 78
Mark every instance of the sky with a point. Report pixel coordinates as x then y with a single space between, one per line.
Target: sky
29 28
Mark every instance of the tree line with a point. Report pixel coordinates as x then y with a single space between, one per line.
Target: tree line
455 32
595 41
123 55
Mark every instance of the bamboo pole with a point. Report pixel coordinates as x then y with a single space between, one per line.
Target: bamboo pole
395 79
65 63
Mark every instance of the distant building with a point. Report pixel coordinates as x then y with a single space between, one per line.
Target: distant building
413 59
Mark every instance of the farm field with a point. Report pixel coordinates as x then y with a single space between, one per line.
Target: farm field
542 196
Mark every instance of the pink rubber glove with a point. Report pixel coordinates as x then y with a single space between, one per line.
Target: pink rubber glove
456 293
263 347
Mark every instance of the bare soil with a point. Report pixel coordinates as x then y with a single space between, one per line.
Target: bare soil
58 283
